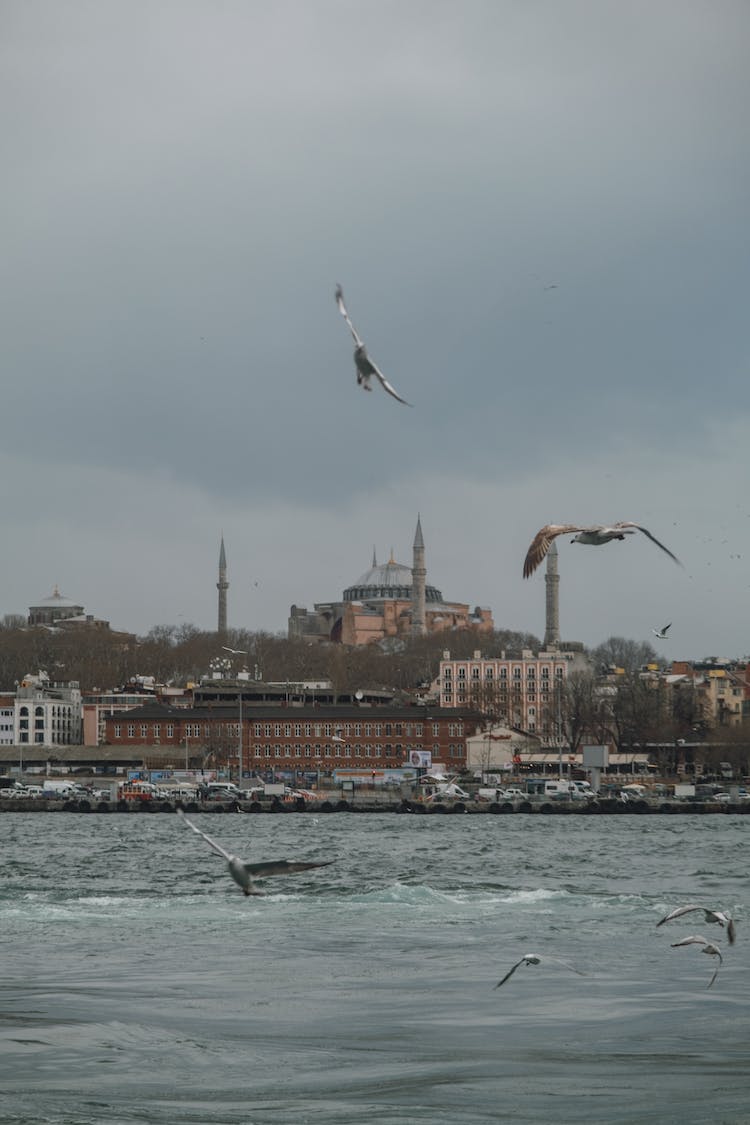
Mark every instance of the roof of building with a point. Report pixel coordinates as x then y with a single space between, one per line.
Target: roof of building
387 581
57 600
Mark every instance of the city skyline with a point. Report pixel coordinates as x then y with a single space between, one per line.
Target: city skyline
539 214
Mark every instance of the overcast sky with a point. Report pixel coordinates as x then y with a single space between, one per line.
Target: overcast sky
539 212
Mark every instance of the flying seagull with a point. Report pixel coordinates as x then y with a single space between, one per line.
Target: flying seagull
708 947
236 651
243 873
365 367
534 959
719 916
661 633
594 536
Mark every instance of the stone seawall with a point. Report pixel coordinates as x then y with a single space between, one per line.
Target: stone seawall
337 804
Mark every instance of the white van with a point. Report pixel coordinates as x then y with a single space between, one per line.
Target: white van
58 787
565 790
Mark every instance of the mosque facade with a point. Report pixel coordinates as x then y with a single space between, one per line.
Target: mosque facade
388 600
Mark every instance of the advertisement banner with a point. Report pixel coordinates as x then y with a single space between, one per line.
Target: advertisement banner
421 759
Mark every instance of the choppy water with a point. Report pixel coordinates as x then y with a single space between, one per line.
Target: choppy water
139 985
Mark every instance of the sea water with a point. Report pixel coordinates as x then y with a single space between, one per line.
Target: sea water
140 985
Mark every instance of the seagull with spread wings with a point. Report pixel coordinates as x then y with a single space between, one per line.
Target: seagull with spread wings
662 633
718 916
708 947
244 874
365 366
596 535
535 959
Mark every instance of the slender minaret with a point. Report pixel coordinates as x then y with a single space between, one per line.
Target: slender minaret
222 586
552 582
418 579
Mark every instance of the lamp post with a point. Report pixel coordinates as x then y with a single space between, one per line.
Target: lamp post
238 652
187 752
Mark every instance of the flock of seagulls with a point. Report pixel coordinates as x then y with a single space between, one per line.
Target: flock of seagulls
718 917
715 917
245 874
595 535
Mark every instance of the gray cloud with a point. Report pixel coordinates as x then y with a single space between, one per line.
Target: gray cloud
187 182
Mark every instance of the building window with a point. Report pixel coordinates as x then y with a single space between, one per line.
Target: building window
257 730
144 730
170 730
157 730
131 730
118 730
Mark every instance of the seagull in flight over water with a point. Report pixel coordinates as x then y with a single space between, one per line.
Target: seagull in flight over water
719 916
243 873
595 535
662 633
708 947
535 959
365 366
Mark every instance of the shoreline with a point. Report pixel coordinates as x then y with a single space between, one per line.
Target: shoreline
605 806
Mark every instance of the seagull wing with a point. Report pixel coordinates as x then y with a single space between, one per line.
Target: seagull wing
714 953
731 932
281 867
647 533
566 964
211 843
677 914
509 974
345 314
540 544
694 939
680 910
669 626
386 385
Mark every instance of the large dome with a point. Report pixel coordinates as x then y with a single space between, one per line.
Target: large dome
387 580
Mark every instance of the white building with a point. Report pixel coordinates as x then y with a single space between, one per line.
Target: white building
47 713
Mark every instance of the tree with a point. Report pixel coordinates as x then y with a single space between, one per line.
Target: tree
622 653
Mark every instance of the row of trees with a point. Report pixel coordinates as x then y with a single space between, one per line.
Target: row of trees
100 659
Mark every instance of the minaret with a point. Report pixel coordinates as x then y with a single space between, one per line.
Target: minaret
418 579
222 586
552 582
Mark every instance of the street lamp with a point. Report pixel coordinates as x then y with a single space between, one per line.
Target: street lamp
238 652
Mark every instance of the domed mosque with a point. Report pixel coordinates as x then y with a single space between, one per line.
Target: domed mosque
388 600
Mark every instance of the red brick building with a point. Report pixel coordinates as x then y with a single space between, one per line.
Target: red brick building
302 737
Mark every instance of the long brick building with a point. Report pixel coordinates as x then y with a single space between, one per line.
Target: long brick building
299 737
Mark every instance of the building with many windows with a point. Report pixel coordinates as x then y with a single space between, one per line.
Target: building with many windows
299 737
47 713
523 692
